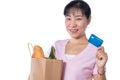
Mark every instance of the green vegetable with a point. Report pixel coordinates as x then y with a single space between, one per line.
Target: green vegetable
52 53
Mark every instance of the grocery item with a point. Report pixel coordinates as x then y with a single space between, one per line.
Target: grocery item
52 53
38 52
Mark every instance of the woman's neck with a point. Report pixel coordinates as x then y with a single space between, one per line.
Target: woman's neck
81 40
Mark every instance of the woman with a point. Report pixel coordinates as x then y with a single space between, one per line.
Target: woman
82 60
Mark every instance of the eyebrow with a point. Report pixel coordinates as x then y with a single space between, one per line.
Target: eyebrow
78 15
75 15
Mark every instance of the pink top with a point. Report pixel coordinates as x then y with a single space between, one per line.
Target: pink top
80 67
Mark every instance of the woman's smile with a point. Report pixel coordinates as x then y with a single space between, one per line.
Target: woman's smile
73 30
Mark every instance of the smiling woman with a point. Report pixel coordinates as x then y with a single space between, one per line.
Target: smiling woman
88 61
41 22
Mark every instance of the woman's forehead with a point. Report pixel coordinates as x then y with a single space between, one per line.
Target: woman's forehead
74 11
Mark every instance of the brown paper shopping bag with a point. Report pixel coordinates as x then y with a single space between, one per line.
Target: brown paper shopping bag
45 69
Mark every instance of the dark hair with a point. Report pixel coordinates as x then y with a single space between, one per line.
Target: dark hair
78 4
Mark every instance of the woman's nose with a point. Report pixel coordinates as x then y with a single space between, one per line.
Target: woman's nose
73 23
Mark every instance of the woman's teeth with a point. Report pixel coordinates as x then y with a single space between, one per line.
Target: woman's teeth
74 30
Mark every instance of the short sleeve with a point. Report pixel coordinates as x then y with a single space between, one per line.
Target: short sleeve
95 69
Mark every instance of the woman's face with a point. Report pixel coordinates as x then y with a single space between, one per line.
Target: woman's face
76 23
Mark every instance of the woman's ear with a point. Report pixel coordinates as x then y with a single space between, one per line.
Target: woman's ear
89 20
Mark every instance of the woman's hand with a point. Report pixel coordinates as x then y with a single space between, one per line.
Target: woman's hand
101 57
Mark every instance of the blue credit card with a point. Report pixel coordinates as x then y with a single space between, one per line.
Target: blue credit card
95 40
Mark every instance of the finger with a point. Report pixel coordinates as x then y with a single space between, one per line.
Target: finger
105 55
99 56
101 48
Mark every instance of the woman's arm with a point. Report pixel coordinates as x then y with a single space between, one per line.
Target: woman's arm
100 76
101 59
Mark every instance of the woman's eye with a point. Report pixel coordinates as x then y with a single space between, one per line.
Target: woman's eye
68 19
78 19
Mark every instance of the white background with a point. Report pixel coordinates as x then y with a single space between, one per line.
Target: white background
42 22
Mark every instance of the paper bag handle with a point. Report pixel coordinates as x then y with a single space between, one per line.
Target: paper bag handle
30 48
